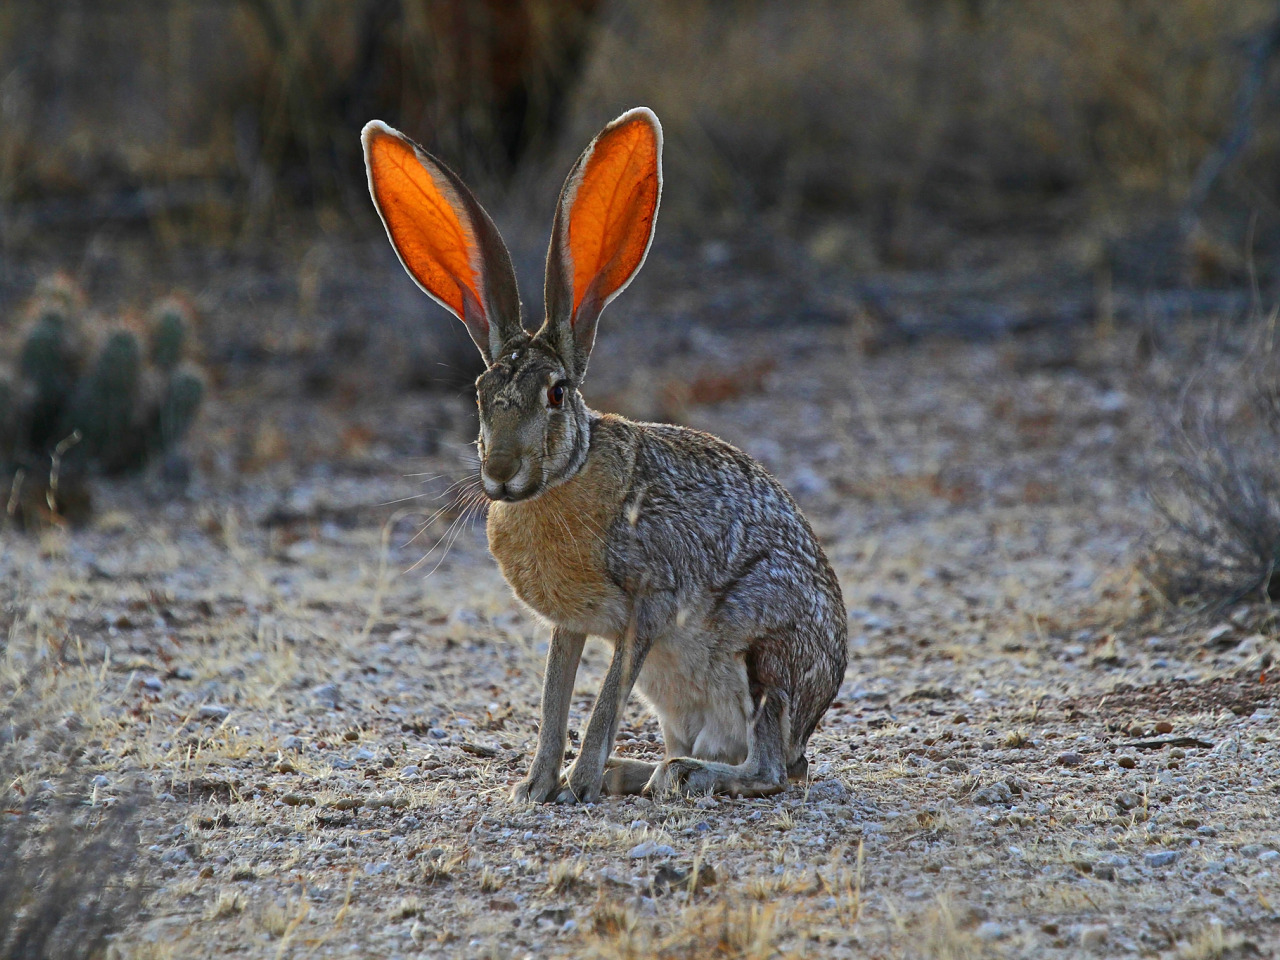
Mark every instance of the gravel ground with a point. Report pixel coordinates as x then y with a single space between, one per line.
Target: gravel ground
327 692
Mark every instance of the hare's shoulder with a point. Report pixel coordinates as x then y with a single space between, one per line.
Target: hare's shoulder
703 472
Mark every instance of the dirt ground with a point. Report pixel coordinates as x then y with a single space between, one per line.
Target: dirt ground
326 690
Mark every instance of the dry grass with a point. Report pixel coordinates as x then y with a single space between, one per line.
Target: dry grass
1219 490
747 932
72 875
896 110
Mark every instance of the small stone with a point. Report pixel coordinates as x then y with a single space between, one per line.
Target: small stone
991 931
552 917
1269 856
214 712
1207 831
650 848
291 743
1093 938
953 765
153 684
1161 858
1128 801
1104 871
176 855
297 800
997 793
1070 759
363 755
1164 726
1128 763
351 736
327 695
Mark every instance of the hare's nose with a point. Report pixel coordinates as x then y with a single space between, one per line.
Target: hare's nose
501 467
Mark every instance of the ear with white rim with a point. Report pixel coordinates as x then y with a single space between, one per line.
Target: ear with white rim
443 237
603 229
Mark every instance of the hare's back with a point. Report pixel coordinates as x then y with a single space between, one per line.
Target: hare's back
702 515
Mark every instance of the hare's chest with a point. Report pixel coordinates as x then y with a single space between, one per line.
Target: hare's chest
551 550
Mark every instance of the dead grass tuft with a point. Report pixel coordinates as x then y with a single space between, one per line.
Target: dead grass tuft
71 876
1218 489
565 875
1213 942
705 930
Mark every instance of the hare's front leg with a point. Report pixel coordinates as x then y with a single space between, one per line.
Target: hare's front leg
584 780
543 781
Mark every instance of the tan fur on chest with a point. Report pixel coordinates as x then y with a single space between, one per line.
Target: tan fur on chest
551 548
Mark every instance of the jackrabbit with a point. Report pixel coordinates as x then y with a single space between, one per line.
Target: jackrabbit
675 547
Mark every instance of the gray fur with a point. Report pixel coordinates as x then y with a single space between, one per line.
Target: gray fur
675 547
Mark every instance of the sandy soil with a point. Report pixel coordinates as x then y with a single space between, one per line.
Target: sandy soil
327 690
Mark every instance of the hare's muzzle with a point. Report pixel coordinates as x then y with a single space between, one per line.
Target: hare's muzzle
501 467
498 471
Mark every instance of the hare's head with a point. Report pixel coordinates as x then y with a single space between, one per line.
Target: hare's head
534 426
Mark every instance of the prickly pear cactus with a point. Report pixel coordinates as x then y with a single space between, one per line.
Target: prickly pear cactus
80 397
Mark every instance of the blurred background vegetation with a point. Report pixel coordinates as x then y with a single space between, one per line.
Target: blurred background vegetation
873 129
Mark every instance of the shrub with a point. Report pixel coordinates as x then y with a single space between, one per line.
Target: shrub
1218 488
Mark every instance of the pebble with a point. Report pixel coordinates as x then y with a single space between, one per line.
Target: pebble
1127 801
1070 759
327 695
1269 856
1164 726
291 743
213 711
1128 763
154 684
991 931
1092 938
650 848
1161 858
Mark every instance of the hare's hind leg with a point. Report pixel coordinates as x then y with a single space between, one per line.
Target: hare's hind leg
626 777
762 773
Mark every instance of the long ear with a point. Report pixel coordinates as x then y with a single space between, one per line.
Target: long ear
602 231
444 238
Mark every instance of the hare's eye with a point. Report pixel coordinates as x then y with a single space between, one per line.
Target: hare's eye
555 395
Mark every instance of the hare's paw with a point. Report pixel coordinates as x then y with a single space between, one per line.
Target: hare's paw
678 775
537 788
579 785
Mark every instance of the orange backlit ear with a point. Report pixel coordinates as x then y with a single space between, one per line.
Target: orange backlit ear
604 224
444 238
